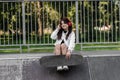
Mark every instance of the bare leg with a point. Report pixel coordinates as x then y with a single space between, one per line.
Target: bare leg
58 52
57 49
64 49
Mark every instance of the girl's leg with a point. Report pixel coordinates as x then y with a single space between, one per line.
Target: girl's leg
64 49
57 49
58 52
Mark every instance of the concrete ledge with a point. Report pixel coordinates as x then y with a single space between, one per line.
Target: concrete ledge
10 69
96 66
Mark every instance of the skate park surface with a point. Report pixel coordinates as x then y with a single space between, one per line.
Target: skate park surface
97 65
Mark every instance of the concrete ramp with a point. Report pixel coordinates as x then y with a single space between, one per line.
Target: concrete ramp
34 71
104 68
93 68
98 67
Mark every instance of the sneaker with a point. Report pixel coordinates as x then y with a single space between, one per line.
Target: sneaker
65 67
59 68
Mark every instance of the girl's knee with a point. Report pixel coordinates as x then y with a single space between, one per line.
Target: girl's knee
57 46
57 49
63 46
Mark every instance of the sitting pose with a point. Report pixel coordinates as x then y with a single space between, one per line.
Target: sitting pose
65 40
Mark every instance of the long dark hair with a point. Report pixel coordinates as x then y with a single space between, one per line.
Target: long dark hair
66 21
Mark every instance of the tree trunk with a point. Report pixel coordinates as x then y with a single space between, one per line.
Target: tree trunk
39 19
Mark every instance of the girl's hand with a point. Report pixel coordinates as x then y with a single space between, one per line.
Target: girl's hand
68 55
59 27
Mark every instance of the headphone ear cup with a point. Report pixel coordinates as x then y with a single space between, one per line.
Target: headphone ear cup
69 24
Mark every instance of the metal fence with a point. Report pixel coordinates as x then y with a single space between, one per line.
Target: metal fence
30 22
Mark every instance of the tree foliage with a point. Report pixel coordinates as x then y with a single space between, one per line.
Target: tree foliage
42 15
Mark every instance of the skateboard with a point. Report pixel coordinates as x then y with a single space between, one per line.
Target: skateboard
60 60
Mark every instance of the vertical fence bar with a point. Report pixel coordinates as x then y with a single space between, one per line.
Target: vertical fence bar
28 22
63 9
3 23
16 14
28 30
47 27
11 22
59 16
52 23
43 24
35 24
19 30
96 35
59 9
20 42
31 22
0 28
112 19
100 24
115 31
84 37
71 6
7 26
103 24
88 28
92 20
119 20
81 25
108 22
23 23
0 32
67 8
77 28
40 40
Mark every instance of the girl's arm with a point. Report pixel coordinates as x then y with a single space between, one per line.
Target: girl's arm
71 45
54 34
72 42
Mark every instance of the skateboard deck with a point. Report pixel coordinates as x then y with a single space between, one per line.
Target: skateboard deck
60 60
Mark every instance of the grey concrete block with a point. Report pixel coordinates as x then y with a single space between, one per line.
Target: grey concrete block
92 68
104 68
10 70
34 71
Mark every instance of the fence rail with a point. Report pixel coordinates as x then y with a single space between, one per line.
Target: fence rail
30 22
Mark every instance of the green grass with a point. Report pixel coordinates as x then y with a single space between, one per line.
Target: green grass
102 46
50 48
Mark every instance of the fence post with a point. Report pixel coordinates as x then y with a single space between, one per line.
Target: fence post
119 17
77 29
118 3
23 23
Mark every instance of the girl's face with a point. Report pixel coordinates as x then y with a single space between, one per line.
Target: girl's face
64 26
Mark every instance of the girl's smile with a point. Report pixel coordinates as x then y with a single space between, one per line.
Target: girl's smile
64 26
